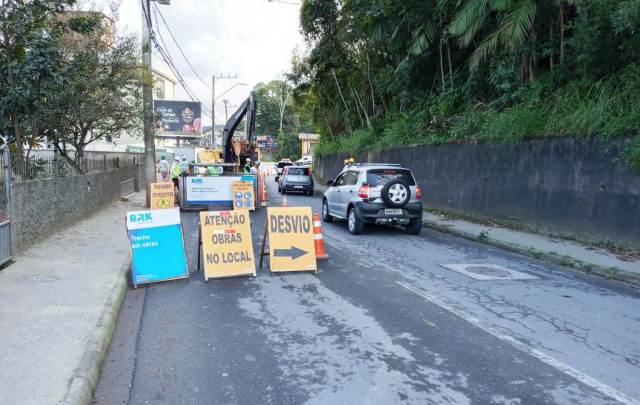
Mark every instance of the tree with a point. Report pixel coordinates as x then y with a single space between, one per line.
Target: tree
100 95
28 60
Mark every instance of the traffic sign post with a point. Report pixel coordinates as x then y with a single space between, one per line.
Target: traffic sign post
227 248
162 195
289 231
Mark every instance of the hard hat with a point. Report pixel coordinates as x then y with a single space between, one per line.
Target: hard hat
346 161
351 160
177 159
183 157
248 159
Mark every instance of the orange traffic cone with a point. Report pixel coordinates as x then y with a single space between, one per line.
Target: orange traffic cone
285 202
318 241
263 192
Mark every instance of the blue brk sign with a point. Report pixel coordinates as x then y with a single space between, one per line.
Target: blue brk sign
157 247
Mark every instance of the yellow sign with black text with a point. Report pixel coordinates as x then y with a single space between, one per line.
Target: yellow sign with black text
243 196
227 248
290 233
162 195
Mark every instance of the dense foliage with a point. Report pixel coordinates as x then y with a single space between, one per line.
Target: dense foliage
387 72
277 116
63 75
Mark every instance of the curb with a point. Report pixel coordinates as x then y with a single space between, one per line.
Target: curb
85 377
611 273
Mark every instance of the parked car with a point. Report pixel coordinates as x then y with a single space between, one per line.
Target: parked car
296 179
305 160
280 166
374 193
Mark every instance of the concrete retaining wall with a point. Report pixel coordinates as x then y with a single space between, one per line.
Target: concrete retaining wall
41 206
570 185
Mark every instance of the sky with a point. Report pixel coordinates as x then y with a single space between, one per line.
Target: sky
254 39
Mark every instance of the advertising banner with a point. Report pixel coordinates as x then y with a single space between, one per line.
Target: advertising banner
162 195
227 248
157 246
243 196
290 234
177 118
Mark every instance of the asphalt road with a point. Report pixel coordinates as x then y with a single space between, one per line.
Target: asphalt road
384 322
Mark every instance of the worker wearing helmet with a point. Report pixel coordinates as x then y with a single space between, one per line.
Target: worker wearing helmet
247 166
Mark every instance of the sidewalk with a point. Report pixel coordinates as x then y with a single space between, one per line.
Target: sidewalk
559 251
59 303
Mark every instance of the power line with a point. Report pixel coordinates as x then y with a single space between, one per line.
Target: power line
169 61
157 12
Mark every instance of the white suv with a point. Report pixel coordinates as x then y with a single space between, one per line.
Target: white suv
374 193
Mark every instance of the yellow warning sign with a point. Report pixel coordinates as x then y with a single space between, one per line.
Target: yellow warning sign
227 249
290 235
243 197
162 195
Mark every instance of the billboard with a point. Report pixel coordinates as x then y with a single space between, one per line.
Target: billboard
177 118
267 142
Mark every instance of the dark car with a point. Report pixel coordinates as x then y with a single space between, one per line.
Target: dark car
296 179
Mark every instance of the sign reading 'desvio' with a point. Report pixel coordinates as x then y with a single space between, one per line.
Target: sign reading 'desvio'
157 247
290 233
177 118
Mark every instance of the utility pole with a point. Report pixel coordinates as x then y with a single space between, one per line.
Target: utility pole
213 101
147 102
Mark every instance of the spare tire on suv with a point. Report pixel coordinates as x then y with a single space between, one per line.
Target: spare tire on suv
396 193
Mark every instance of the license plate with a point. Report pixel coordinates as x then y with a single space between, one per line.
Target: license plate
393 211
297 187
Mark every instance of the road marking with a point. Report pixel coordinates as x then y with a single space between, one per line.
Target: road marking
545 358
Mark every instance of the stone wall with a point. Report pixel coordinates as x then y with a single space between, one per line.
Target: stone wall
569 185
39 207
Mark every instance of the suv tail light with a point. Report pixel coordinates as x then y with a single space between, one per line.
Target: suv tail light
364 191
418 193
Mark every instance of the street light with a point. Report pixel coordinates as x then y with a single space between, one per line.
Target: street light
231 88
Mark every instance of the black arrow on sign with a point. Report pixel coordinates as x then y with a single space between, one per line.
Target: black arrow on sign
293 253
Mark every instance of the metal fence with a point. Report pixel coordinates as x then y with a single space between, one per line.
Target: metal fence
43 167
5 206
129 176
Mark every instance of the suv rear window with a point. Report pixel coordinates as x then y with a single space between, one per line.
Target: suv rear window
380 177
298 171
283 164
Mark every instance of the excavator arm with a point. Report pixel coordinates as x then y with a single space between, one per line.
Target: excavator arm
248 108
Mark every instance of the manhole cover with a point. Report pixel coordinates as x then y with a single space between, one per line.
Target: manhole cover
487 271
38 279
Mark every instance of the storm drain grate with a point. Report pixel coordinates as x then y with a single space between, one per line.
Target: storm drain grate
488 272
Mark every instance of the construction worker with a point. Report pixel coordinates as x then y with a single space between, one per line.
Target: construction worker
175 172
255 170
247 166
183 165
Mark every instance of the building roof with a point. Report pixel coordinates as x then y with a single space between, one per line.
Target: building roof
309 137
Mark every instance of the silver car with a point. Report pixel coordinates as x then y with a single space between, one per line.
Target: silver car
374 193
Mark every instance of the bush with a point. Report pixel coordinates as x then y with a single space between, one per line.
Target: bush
607 108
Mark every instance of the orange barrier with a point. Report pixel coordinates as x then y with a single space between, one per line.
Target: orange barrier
285 202
318 240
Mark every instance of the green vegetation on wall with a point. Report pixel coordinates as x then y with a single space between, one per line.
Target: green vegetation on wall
388 72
